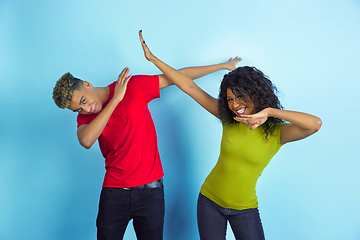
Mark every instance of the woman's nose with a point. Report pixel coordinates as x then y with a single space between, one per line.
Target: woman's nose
236 104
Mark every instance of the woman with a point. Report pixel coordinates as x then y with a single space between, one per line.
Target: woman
254 129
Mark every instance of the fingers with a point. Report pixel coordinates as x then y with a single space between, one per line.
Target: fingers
242 119
127 80
237 58
232 62
142 41
121 84
148 55
123 73
123 79
247 121
141 37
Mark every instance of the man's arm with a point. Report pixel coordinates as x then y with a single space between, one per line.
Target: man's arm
89 133
197 72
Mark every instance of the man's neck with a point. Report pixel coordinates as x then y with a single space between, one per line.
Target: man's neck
104 93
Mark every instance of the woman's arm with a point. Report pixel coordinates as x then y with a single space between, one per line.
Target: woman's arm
184 82
301 125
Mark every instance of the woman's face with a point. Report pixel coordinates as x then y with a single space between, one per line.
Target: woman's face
238 105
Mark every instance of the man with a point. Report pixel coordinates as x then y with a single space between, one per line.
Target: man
118 116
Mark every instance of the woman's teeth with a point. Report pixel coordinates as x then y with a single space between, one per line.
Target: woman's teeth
241 111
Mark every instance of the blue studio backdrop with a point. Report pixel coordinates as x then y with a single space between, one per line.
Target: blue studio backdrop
50 185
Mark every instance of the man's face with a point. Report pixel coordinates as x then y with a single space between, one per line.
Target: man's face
86 100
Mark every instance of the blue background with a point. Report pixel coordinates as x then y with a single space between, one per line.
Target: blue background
50 185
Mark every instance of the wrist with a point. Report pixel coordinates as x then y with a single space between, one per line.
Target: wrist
153 59
114 101
270 112
224 66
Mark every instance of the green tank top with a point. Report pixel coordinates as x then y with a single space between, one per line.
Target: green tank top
244 154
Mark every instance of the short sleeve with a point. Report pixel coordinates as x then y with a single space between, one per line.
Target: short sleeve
148 85
83 119
278 132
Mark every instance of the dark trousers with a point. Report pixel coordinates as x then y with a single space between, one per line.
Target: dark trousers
212 221
118 206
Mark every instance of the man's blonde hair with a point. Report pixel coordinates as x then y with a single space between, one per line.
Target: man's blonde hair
64 89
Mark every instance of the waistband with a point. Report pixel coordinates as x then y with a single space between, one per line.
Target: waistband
154 184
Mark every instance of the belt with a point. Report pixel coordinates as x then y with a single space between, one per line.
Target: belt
155 184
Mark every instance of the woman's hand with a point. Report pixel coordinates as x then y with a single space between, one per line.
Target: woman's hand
148 55
254 120
232 62
300 125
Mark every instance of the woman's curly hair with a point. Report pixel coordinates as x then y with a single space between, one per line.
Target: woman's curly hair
249 83
64 89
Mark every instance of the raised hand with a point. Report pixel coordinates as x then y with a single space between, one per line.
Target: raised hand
89 133
148 55
121 84
232 62
254 120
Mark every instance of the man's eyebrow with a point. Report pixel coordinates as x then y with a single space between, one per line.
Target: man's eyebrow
81 99
76 110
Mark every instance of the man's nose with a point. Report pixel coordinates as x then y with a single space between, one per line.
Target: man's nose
87 108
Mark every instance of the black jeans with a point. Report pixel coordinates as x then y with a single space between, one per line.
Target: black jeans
212 221
118 206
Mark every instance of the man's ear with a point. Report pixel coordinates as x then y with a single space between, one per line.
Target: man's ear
87 84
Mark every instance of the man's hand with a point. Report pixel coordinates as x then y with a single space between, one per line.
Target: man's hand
121 84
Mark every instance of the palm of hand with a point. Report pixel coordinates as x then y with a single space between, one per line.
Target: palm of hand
232 62
253 121
120 87
147 52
